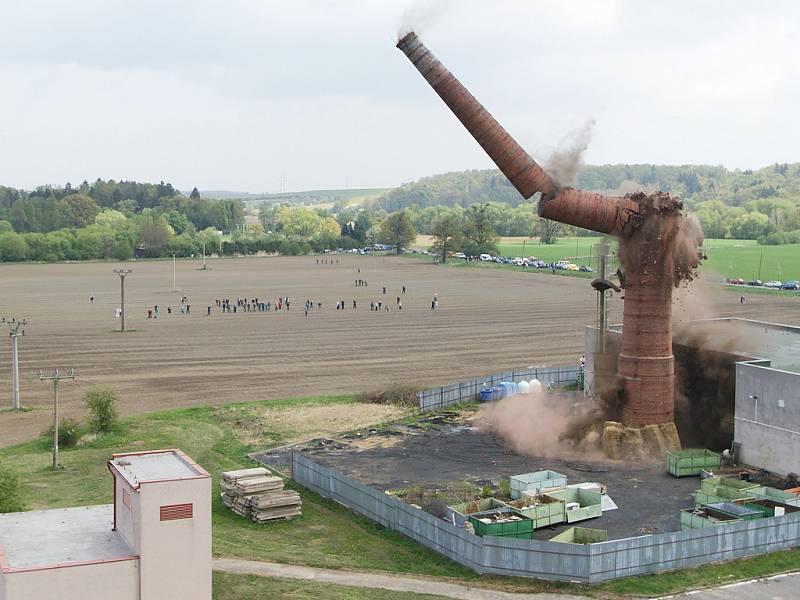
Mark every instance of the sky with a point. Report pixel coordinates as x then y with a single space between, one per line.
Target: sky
262 95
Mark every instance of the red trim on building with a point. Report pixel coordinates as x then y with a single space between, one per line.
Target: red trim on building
3 562
83 563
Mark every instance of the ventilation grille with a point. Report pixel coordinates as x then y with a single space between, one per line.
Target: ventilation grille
172 512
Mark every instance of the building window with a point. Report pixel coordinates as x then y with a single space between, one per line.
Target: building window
172 512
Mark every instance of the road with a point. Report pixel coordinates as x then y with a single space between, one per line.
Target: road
778 587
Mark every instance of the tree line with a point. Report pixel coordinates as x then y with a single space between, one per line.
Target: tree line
763 205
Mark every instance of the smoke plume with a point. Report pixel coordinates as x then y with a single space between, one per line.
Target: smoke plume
535 424
566 162
421 15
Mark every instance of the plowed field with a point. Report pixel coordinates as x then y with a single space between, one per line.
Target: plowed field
488 320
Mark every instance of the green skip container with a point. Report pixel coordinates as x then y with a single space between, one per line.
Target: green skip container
581 535
505 522
693 461
542 510
579 504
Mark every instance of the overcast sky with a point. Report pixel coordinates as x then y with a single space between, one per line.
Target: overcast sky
237 94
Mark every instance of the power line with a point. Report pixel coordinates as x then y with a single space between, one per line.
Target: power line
56 377
14 328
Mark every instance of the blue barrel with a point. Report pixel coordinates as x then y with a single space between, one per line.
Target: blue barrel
487 394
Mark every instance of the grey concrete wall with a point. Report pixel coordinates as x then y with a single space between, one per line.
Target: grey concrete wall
553 560
767 421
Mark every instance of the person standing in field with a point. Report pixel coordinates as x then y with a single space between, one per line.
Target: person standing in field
91 299
354 304
404 289
209 312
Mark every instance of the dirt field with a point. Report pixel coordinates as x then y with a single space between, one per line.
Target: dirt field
489 320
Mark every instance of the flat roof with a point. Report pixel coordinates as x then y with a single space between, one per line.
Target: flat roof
776 342
157 465
46 538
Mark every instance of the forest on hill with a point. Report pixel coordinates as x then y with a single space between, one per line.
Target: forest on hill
761 204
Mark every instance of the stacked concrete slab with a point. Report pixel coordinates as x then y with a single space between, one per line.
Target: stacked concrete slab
256 495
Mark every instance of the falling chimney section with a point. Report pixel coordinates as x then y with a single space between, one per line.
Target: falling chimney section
646 364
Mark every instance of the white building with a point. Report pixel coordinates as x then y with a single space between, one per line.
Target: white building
153 543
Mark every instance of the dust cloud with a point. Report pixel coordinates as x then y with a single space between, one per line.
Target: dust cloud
565 163
535 424
421 15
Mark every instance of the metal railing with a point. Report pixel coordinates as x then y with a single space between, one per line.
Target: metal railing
470 390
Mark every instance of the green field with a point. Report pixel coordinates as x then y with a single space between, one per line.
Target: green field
748 260
580 250
350 197
726 258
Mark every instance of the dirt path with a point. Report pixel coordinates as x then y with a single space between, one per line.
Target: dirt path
397 583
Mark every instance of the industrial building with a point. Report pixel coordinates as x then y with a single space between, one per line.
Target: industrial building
742 387
152 543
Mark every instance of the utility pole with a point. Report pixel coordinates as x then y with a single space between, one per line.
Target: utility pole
122 275
56 377
14 328
174 254
760 260
204 255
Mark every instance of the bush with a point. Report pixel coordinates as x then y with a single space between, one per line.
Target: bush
293 248
122 251
101 402
10 497
69 432
12 247
775 238
401 394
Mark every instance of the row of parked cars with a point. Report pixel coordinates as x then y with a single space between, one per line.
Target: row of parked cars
776 285
529 262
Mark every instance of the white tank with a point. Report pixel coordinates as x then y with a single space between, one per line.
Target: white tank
524 387
535 386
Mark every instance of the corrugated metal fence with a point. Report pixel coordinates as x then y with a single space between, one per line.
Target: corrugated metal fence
470 391
553 560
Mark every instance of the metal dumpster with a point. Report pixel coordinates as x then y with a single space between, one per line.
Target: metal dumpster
502 522
534 482
581 535
681 463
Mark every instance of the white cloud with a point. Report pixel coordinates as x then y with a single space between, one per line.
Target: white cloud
235 95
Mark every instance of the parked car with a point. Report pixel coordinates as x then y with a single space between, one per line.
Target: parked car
460 255
485 257
773 284
586 269
791 285
755 283
736 281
